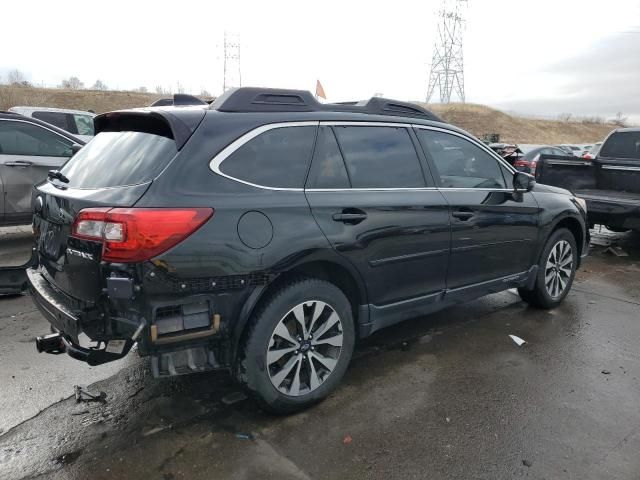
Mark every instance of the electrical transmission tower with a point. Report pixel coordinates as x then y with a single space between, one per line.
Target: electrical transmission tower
447 67
232 72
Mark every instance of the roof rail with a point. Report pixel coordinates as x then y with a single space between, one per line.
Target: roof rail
178 100
252 99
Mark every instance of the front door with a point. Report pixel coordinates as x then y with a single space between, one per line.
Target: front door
368 193
27 152
494 231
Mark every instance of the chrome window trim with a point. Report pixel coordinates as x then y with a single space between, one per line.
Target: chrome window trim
216 161
226 152
577 163
344 123
381 189
620 167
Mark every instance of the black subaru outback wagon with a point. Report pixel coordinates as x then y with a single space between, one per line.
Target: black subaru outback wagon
265 233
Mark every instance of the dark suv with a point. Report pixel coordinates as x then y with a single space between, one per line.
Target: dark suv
267 232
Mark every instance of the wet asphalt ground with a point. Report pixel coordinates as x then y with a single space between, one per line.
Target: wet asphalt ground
445 396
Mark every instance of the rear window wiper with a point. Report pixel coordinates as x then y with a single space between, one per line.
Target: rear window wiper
57 175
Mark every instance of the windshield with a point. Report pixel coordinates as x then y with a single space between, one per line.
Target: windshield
115 159
622 145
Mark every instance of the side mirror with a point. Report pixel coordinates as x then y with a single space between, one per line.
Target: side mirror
75 148
523 182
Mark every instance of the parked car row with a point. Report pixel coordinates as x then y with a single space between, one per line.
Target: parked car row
77 122
576 150
609 179
29 149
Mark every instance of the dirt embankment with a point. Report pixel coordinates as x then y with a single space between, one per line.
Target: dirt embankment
478 119
97 100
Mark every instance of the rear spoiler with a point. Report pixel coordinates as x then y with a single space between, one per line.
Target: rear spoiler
176 124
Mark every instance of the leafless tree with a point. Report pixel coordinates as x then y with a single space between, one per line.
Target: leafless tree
142 89
205 93
619 120
565 117
179 87
72 83
16 77
160 90
99 85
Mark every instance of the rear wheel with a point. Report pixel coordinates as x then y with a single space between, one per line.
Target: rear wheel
556 271
298 345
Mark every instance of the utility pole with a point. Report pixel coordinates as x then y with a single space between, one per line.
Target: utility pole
232 72
447 66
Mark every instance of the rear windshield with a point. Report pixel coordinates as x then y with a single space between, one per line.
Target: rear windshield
622 145
114 159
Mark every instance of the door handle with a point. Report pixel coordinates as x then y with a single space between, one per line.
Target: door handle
462 215
350 216
18 163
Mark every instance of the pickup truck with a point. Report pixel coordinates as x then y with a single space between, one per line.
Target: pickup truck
610 182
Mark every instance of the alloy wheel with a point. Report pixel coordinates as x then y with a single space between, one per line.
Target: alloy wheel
558 268
304 348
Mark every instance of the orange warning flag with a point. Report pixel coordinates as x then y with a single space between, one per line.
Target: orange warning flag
320 90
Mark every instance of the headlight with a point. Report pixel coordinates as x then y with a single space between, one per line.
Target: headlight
582 202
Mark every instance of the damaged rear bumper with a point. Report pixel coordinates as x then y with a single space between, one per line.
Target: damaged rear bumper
67 323
181 333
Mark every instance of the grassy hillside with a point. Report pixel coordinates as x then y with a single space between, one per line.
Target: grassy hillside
96 100
478 119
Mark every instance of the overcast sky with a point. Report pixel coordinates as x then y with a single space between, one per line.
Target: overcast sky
542 57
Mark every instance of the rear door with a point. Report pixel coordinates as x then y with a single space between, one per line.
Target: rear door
370 197
493 230
27 152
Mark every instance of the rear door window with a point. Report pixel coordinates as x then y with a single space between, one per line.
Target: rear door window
327 168
22 138
622 145
277 158
114 159
58 119
380 157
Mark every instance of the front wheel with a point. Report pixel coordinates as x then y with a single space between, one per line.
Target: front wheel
556 271
298 345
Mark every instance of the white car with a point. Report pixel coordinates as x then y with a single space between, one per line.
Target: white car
77 122
574 150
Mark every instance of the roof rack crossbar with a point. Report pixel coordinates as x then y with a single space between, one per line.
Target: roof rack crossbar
252 99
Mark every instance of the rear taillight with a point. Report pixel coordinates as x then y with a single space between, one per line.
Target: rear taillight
137 234
521 163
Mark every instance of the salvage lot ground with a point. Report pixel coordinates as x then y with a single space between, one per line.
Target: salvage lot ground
445 396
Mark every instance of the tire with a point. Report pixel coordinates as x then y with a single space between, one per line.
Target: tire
310 368
553 264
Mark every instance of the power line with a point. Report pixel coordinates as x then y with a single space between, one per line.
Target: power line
232 71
